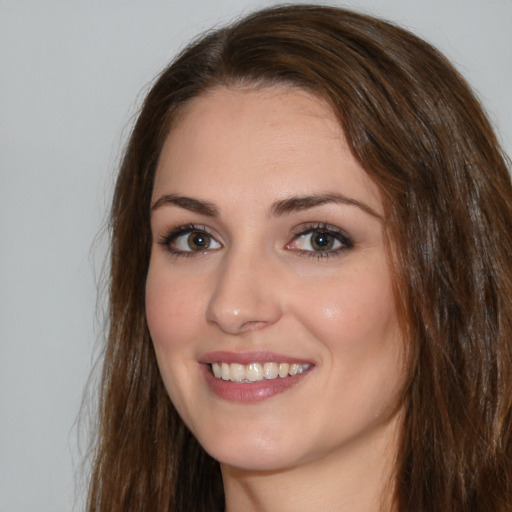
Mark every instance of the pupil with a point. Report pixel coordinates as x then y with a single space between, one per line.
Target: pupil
322 241
198 241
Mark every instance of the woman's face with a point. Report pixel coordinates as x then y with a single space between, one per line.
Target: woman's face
269 298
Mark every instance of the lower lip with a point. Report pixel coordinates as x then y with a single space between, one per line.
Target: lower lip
249 392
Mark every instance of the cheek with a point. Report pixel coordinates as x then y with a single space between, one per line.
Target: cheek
173 308
353 312
357 325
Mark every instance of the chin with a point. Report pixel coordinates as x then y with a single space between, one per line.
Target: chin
272 461
252 451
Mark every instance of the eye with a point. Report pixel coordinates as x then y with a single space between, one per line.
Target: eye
195 241
317 240
320 240
189 239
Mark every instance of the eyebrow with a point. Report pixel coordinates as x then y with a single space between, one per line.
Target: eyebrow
295 204
188 203
278 209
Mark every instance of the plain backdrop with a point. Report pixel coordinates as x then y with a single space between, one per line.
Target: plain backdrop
72 74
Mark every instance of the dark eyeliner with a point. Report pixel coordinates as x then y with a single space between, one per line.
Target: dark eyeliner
174 233
167 240
339 234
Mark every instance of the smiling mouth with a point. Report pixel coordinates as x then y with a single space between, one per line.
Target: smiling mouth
254 372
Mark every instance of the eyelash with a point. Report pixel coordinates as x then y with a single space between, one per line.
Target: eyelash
168 239
338 235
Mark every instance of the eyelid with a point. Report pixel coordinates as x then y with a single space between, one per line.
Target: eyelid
339 234
174 233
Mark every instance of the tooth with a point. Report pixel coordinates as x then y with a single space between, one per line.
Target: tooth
237 372
254 372
294 369
284 368
225 371
216 370
270 370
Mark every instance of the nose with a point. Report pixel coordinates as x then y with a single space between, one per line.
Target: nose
246 295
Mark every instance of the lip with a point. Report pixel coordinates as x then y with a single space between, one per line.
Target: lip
250 392
222 356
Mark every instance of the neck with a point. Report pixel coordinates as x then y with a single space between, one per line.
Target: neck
354 478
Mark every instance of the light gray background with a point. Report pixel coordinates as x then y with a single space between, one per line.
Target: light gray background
71 75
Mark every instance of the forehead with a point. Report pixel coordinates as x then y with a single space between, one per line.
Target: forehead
275 140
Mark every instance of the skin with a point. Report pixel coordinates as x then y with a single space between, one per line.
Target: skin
330 440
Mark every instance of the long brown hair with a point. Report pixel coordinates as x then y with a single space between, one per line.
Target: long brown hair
416 128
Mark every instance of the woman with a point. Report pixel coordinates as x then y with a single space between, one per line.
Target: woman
310 280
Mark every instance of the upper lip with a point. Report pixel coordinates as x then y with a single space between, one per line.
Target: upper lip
249 357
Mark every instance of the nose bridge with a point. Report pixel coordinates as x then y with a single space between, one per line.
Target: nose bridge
246 292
